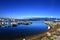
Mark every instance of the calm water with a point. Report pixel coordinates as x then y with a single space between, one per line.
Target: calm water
36 27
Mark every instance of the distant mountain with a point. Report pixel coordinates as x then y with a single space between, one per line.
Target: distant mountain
42 19
34 19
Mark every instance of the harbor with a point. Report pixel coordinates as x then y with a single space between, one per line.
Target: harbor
22 30
26 30
12 22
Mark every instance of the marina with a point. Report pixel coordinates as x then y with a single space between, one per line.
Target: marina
22 29
13 22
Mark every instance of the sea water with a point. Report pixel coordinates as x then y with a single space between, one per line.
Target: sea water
37 27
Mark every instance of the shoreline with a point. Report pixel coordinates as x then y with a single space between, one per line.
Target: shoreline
40 35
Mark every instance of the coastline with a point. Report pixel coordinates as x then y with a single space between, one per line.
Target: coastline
38 36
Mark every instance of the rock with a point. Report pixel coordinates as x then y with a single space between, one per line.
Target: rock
48 34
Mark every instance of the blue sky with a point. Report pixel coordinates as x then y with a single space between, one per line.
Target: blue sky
29 8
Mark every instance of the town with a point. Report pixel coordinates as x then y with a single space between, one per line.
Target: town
52 34
6 22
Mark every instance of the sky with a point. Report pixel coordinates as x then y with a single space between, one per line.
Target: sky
29 8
